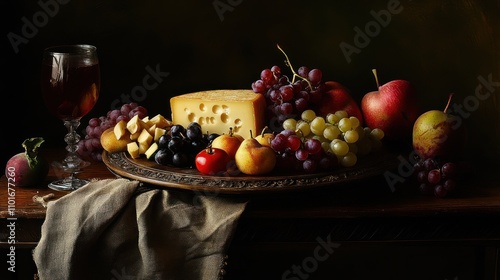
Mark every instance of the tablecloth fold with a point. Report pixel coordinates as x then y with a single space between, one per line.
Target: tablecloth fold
109 229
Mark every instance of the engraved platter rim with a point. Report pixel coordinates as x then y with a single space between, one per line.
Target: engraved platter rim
148 171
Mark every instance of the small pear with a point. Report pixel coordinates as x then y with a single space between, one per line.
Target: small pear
265 138
253 158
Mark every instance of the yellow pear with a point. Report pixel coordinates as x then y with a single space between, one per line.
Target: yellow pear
111 144
265 138
253 158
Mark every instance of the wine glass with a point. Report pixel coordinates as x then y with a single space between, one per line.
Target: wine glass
70 83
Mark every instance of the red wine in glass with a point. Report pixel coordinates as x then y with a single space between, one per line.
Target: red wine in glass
70 83
74 97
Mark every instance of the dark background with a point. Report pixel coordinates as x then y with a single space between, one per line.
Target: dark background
440 46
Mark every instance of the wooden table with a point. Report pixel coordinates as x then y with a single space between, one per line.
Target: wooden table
280 235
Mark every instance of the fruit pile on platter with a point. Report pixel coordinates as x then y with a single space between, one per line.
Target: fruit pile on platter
305 126
302 124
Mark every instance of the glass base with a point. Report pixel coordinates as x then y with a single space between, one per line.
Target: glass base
64 167
68 181
68 184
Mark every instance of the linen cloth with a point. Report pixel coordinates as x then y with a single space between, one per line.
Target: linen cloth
108 229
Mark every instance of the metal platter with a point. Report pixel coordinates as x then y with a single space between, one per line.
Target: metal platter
148 171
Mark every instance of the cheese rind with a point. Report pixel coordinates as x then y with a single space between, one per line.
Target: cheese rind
218 110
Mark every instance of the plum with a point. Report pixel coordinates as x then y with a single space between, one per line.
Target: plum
28 168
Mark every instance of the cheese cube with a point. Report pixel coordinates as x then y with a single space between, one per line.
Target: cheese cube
158 133
136 135
151 150
145 139
120 129
143 147
152 129
135 124
160 121
218 110
133 149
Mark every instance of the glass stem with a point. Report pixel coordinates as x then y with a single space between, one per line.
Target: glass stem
72 162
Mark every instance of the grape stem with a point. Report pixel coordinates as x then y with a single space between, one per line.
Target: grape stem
289 64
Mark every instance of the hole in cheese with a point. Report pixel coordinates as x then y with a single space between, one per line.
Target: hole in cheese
191 117
218 110
224 118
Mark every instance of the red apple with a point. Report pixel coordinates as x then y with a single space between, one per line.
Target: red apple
392 108
338 97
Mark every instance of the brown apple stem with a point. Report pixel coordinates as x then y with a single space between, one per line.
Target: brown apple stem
289 64
448 104
374 71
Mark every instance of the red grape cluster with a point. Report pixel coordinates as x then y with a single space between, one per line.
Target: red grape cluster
296 154
437 178
288 99
90 146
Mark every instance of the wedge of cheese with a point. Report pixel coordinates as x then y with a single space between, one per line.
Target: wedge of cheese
218 110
